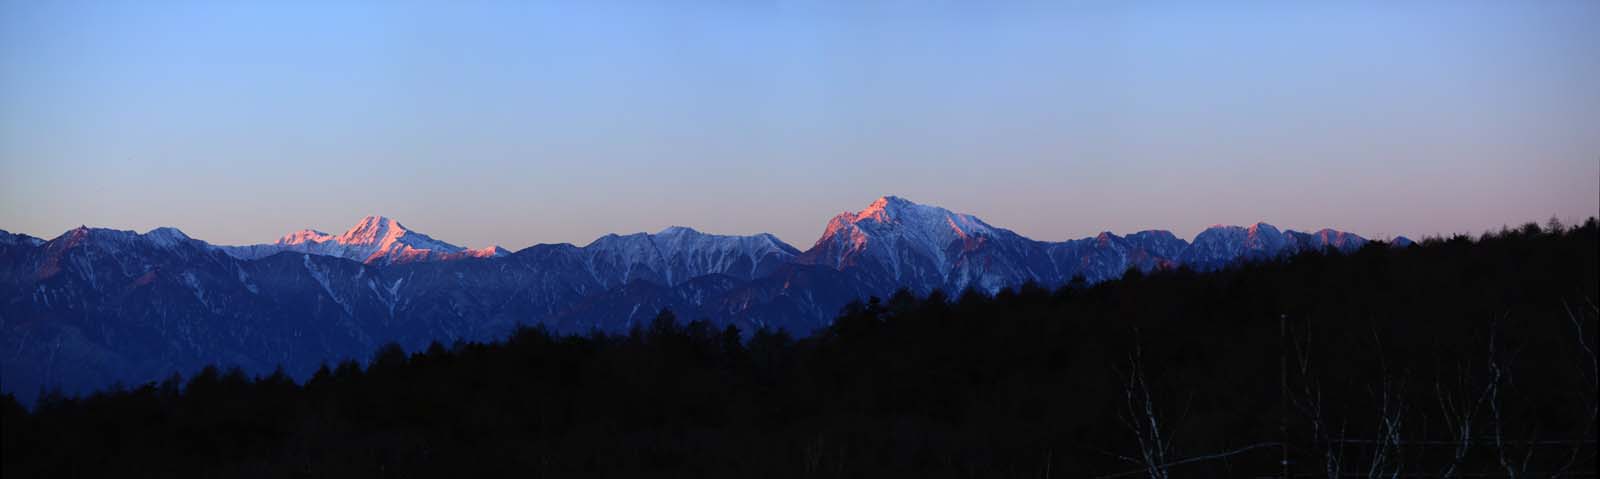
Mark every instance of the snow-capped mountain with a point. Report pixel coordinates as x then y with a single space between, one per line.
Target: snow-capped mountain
892 225
374 240
895 242
1219 245
678 254
1222 245
95 306
18 239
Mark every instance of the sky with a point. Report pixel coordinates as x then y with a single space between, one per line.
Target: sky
517 123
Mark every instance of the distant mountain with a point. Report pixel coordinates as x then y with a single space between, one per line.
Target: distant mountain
1328 239
17 239
1220 245
374 240
897 243
96 306
678 254
1108 256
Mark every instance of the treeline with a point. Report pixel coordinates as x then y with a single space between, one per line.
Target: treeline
1456 357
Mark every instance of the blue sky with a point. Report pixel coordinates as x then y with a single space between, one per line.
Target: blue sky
517 123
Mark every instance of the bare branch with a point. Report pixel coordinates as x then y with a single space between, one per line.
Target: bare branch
1207 457
1141 417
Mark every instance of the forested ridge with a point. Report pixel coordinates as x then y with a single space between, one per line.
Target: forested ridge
1456 357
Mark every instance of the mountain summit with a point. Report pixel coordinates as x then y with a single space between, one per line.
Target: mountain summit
892 224
373 240
678 253
895 241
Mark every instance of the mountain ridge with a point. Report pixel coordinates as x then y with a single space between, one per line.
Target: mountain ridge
355 235
374 240
94 306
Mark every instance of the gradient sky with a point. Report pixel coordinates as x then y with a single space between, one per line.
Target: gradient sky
519 123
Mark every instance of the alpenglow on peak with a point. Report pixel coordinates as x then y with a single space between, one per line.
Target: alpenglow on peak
373 240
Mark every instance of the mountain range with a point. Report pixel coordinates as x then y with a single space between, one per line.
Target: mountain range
93 307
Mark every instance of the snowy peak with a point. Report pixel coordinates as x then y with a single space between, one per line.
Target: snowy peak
1261 227
677 239
160 238
373 230
1237 240
84 249
386 241
1264 237
678 253
166 236
373 240
885 209
304 236
677 231
893 218
895 211
1160 243
1220 245
898 241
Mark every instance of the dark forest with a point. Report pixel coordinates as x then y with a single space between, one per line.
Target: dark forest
1455 357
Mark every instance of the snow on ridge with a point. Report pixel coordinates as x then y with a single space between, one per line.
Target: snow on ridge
374 239
894 231
321 276
8 238
908 240
923 245
304 236
678 253
166 236
894 209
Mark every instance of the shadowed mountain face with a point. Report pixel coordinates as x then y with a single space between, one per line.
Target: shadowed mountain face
96 306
